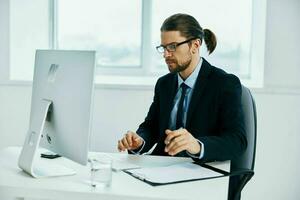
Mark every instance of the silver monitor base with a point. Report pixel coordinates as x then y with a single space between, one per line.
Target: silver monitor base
29 159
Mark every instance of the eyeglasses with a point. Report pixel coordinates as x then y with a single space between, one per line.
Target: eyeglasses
171 47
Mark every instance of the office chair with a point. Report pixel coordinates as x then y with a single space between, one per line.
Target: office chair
245 163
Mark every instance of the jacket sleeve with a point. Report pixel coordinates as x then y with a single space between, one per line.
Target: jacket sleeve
231 141
148 130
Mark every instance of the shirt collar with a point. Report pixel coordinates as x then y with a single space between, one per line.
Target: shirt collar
191 80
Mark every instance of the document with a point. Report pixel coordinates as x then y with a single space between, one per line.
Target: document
119 165
119 161
174 173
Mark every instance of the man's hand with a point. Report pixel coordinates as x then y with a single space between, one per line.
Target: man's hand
180 140
130 141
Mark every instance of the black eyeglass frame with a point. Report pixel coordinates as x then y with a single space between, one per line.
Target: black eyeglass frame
172 46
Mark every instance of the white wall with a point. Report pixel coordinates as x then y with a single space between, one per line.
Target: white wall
278 106
278 153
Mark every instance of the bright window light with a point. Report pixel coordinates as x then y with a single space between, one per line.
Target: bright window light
125 33
29 30
112 28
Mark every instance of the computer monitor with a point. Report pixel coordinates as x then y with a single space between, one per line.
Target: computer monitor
61 110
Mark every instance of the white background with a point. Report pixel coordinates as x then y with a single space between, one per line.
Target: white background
119 109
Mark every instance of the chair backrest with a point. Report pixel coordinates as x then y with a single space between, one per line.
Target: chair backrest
247 160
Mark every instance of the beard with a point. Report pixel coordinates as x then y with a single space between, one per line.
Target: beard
175 67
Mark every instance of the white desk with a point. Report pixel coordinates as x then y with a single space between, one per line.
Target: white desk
16 183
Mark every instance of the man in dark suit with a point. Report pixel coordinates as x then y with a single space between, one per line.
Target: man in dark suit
196 110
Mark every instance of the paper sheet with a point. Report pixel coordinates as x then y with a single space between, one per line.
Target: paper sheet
174 173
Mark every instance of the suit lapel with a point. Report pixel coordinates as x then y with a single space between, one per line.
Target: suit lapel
200 84
168 95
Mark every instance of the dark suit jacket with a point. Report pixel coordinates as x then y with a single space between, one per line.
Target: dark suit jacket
214 116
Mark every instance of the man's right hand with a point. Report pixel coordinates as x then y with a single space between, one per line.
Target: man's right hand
130 141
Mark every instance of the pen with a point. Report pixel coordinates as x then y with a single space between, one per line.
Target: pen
151 150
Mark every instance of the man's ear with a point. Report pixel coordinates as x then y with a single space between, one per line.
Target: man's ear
196 45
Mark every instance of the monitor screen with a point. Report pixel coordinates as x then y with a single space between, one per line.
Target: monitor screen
61 106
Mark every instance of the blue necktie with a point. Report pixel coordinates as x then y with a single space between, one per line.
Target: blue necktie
180 110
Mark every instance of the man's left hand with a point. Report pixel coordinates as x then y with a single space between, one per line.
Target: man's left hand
180 140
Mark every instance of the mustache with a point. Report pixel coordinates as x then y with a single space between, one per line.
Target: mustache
170 60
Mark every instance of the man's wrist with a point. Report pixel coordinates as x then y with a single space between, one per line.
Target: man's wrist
139 149
196 148
200 154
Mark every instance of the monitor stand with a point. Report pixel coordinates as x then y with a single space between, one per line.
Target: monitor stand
29 159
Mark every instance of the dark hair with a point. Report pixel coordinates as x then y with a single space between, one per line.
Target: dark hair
189 27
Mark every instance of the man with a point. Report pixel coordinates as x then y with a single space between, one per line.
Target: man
196 110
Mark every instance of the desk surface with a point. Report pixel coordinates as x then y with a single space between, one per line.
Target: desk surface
16 183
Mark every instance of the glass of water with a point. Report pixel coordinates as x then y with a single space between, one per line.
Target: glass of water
101 172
